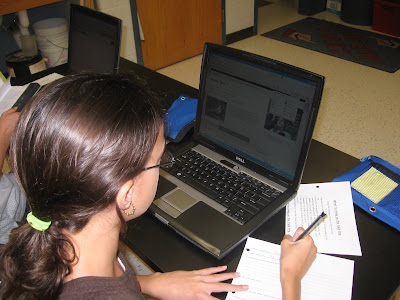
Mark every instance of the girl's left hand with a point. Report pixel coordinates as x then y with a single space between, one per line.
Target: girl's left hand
198 284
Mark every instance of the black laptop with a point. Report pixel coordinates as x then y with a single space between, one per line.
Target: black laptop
94 41
254 125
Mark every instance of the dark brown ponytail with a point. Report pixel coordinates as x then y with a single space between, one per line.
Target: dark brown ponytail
40 258
76 143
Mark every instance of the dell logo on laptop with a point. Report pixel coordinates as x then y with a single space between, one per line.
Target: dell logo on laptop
240 159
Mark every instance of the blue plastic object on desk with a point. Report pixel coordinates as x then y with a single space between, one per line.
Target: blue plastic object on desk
378 191
180 118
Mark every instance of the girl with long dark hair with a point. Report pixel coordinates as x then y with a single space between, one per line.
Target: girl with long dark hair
85 153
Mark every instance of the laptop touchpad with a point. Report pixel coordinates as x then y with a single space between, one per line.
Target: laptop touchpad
180 200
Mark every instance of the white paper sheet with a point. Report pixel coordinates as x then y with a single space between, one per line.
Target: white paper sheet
49 78
329 278
10 94
337 234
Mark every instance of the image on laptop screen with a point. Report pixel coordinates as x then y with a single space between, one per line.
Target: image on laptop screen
256 111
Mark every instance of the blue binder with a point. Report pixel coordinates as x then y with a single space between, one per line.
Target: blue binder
376 189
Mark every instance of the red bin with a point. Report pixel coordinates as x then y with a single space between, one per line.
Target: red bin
386 17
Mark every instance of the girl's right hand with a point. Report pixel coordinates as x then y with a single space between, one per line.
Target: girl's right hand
296 258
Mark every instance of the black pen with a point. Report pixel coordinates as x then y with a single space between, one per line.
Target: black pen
312 226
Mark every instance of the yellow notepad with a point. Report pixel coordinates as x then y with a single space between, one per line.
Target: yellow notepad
374 185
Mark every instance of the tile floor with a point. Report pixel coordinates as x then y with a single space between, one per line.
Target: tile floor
360 109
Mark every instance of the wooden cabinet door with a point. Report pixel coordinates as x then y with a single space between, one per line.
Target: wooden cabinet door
174 30
12 6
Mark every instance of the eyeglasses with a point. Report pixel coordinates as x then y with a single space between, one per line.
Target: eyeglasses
167 160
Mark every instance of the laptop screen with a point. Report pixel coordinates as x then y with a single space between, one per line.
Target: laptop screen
94 41
256 108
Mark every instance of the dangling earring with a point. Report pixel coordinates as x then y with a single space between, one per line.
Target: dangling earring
131 212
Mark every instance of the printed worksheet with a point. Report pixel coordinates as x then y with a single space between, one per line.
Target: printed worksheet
329 278
337 233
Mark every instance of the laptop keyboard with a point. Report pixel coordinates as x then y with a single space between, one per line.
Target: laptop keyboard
242 195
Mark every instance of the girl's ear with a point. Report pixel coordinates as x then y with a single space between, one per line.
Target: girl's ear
124 196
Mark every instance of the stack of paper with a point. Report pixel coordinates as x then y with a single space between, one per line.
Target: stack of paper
329 277
337 234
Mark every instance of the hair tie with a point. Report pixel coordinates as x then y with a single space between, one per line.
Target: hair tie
36 223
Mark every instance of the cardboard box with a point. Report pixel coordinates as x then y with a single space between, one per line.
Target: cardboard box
334 6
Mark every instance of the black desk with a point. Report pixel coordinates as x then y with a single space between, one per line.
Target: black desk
376 273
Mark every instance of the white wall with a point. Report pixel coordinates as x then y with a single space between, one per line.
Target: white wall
122 10
239 14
